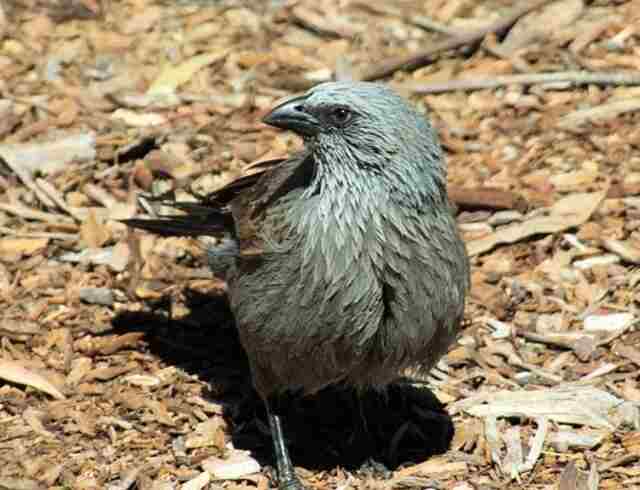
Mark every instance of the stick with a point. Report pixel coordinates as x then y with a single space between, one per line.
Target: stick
601 112
28 213
26 178
410 18
486 197
5 230
573 78
423 58
56 197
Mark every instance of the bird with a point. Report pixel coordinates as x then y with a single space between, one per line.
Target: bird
344 263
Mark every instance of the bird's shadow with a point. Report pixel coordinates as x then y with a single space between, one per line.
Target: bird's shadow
369 432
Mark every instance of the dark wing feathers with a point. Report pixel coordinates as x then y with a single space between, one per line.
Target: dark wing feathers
185 225
233 189
231 208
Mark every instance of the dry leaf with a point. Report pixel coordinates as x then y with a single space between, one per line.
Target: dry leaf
172 76
569 212
139 120
51 156
197 483
16 373
433 467
12 249
542 24
235 467
208 433
581 405
605 111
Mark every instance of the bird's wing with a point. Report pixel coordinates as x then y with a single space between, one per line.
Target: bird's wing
236 207
210 215
249 208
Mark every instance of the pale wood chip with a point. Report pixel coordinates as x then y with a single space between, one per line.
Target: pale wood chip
567 213
579 405
16 373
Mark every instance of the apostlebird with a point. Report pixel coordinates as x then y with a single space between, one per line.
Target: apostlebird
344 263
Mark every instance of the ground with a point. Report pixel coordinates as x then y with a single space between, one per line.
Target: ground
119 365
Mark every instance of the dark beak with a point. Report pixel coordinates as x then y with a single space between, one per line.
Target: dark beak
292 115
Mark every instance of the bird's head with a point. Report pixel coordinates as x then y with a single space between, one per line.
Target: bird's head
360 124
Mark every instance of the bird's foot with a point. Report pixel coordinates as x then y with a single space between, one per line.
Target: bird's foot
291 483
374 468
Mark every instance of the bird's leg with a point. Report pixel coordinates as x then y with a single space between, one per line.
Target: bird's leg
287 479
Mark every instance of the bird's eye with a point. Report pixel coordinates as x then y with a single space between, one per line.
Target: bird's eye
341 115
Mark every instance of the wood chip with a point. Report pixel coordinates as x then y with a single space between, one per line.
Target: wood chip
238 466
608 323
172 76
570 405
599 113
12 249
14 372
567 213
197 483
433 467
51 156
624 250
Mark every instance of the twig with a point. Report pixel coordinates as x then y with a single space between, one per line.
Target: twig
25 176
601 371
517 62
431 25
604 111
588 35
621 461
536 444
323 24
573 78
545 339
421 21
100 195
549 339
618 333
56 197
423 58
28 213
37 234
487 197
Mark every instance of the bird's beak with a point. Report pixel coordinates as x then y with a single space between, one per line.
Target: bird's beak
291 114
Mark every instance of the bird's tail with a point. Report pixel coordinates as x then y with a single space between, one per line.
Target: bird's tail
199 219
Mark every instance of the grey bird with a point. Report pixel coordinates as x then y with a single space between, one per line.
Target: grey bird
344 263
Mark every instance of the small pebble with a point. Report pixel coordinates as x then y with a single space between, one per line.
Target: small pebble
97 296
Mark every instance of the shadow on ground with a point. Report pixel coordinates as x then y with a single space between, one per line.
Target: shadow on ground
371 432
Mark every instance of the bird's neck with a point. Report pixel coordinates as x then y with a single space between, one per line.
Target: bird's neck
416 185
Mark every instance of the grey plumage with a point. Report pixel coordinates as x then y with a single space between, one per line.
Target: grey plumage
367 275
348 266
